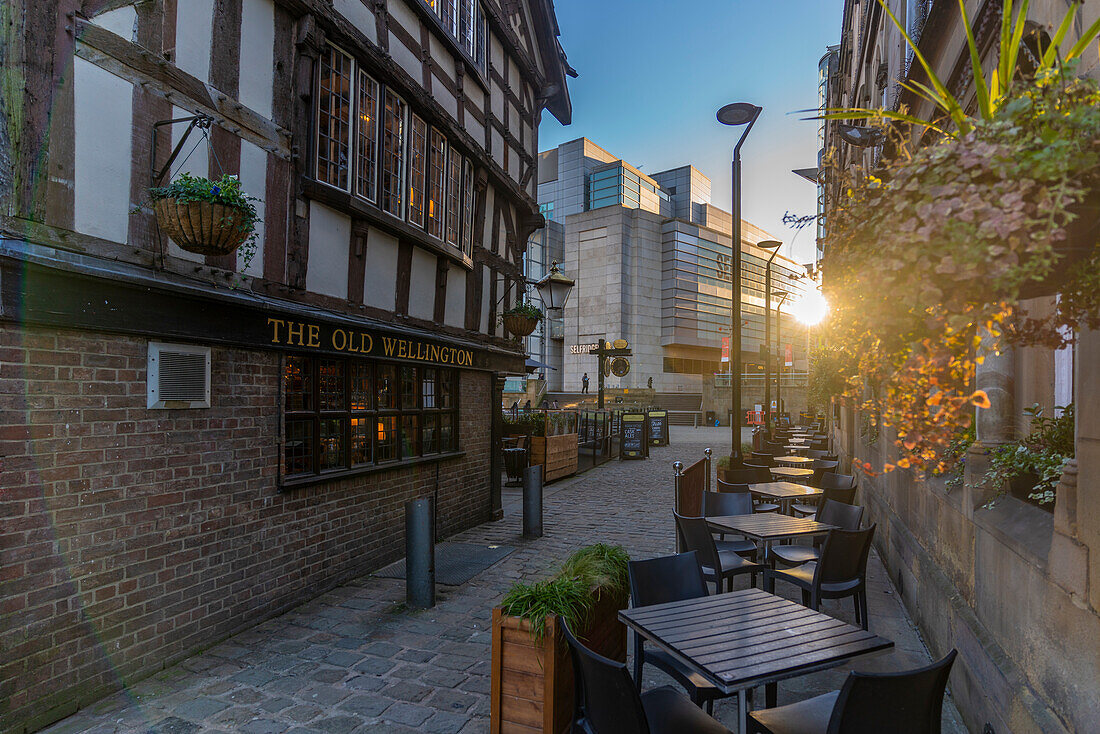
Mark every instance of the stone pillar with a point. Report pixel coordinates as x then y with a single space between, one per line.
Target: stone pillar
995 425
496 510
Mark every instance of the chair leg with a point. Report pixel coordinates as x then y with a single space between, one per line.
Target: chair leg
863 607
805 598
710 706
752 580
639 658
855 603
771 695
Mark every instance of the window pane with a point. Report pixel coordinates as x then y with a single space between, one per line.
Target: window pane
360 385
298 451
429 431
418 151
366 172
454 197
427 387
361 440
333 117
410 436
330 376
385 386
447 432
387 438
436 181
298 384
468 210
332 444
446 389
393 154
408 388
479 29
449 15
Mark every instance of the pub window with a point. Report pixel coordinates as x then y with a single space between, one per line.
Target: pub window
468 208
465 21
437 157
334 102
454 197
366 169
418 144
393 154
347 414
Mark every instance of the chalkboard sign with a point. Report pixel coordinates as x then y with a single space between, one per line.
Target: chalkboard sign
634 444
658 427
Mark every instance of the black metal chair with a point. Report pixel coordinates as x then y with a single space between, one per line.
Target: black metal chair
739 476
840 572
837 487
815 453
718 566
764 458
909 702
820 466
763 474
606 701
830 512
733 487
658 581
724 502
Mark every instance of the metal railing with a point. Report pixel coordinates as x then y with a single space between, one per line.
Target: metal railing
599 436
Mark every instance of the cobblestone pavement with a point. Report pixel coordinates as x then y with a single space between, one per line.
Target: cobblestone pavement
355 660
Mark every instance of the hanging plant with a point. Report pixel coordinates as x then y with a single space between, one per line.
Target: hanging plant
929 257
522 318
1034 463
207 217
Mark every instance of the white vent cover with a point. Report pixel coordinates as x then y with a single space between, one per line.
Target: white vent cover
179 376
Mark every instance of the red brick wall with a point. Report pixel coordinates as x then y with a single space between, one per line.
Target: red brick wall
133 537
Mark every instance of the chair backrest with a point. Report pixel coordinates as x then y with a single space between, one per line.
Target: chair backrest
817 445
775 448
716 504
760 457
844 556
606 696
734 488
836 494
831 457
665 579
909 702
740 476
815 453
820 466
695 536
763 473
832 480
844 516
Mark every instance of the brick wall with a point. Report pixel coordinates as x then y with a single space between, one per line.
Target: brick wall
134 537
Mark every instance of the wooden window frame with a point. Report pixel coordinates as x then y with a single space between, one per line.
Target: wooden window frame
324 136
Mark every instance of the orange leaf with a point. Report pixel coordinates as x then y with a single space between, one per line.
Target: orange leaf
980 399
887 468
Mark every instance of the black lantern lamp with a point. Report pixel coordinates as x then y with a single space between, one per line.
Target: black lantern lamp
554 289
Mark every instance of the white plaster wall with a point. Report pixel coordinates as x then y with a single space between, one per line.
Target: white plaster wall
359 15
194 26
194 159
329 235
422 284
380 279
120 21
103 122
455 312
445 98
254 182
257 55
405 58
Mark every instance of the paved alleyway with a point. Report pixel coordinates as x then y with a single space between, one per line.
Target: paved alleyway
354 660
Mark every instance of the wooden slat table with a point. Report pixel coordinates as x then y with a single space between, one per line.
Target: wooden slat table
785 493
790 472
793 460
743 639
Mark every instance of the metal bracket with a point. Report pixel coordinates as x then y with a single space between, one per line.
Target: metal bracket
199 120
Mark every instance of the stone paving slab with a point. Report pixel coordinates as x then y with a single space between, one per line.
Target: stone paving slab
356 660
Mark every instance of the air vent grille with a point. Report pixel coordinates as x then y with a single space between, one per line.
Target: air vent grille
179 376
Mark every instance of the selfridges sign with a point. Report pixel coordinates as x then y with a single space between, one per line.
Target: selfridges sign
583 348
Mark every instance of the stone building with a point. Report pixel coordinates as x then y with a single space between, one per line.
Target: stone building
190 444
1014 588
651 258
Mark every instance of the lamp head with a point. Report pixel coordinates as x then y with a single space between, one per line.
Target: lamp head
738 113
859 136
769 244
554 289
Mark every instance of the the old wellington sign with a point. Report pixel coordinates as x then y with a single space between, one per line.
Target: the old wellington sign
328 337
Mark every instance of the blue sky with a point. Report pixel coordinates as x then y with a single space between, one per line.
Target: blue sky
653 74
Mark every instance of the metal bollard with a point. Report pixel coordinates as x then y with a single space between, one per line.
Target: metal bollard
532 501
706 453
678 478
419 553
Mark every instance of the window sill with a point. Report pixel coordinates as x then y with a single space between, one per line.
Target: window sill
286 485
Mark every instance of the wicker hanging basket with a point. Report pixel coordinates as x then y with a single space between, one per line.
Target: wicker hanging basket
202 227
520 325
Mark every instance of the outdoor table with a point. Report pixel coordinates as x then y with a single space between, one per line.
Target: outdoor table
784 493
767 527
794 448
793 460
789 472
743 639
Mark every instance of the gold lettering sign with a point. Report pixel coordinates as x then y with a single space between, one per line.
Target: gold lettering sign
311 336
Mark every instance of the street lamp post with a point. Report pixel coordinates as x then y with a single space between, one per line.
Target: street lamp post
772 245
735 114
783 295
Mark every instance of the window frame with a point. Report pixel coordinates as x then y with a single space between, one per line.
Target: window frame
319 129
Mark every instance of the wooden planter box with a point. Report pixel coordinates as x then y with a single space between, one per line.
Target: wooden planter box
532 684
556 454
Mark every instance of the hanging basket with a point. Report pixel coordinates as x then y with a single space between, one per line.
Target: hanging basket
1082 237
520 325
202 227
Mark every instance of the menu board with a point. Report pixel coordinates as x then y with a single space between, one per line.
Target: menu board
634 444
658 427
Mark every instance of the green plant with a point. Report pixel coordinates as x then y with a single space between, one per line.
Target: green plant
525 309
826 380
1041 454
532 424
226 191
571 593
724 461
954 457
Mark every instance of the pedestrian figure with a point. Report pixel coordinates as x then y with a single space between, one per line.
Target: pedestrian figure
527 407
515 409
649 383
584 383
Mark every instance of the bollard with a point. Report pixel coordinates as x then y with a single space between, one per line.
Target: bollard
678 478
532 501
706 453
419 553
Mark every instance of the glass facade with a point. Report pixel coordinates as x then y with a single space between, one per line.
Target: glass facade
620 186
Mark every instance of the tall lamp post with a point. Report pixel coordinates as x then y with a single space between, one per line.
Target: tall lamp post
774 246
736 114
783 295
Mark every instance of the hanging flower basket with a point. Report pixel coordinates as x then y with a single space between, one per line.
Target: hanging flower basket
1082 239
520 325
206 217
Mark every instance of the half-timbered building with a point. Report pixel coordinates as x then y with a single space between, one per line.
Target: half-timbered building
190 444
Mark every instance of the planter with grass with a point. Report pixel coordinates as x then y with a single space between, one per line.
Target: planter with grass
521 319
206 217
532 675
